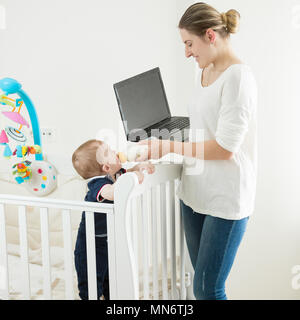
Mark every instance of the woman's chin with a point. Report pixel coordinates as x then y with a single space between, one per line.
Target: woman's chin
201 66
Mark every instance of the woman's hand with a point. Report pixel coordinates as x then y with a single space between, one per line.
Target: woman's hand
156 149
149 167
140 176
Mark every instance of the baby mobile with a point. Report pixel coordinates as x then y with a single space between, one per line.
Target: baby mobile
38 176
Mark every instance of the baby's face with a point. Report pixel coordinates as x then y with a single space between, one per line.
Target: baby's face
106 156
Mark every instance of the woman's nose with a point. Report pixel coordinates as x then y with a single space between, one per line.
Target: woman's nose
188 53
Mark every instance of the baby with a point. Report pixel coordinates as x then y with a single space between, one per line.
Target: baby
101 167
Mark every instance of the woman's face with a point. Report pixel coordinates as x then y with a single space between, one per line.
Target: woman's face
199 48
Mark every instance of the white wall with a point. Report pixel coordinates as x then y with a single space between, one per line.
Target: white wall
67 54
269 41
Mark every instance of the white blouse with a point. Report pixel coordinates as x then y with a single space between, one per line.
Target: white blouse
225 111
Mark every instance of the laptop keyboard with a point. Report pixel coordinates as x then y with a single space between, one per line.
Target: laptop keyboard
178 123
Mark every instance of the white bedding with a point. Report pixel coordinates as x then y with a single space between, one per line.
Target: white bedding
57 275
36 274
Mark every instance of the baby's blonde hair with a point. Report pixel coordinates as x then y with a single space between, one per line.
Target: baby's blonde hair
201 16
84 159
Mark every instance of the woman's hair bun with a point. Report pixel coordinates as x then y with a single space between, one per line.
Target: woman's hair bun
231 20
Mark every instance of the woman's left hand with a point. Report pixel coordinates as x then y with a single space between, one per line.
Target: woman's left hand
156 149
144 166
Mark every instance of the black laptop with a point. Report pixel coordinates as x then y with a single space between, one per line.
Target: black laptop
145 110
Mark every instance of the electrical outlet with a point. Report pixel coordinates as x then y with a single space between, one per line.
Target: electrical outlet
48 134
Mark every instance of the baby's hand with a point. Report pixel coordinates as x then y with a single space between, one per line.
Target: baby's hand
140 176
149 167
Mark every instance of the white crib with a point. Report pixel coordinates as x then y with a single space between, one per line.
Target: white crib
145 240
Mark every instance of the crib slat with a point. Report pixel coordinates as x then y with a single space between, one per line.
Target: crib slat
91 255
3 256
181 246
143 202
24 251
134 229
44 221
68 254
172 241
182 264
163 213
112 259
135 216
154 243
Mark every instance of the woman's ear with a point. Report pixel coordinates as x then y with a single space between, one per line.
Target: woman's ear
211 35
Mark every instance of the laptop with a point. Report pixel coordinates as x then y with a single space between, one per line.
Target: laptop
145 111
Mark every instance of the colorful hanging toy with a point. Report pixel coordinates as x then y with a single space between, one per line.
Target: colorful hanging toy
38 176
23 171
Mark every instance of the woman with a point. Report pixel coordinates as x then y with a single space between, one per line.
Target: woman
217 201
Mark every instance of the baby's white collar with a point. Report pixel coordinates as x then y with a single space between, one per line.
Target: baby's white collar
92 178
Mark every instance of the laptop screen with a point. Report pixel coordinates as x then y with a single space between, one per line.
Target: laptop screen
142 100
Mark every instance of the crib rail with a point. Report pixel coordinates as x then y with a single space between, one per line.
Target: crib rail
145 239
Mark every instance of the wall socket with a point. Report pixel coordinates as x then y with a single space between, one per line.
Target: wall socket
48 134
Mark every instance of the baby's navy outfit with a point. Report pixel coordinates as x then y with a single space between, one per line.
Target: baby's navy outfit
95 185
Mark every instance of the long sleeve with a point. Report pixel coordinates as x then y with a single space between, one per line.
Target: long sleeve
237 103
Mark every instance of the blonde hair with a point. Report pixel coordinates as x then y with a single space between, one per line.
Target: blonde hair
84 159
201 16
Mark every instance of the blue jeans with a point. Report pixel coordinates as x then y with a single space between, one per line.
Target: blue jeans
212 244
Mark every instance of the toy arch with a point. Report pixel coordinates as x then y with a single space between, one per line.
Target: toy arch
11 86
